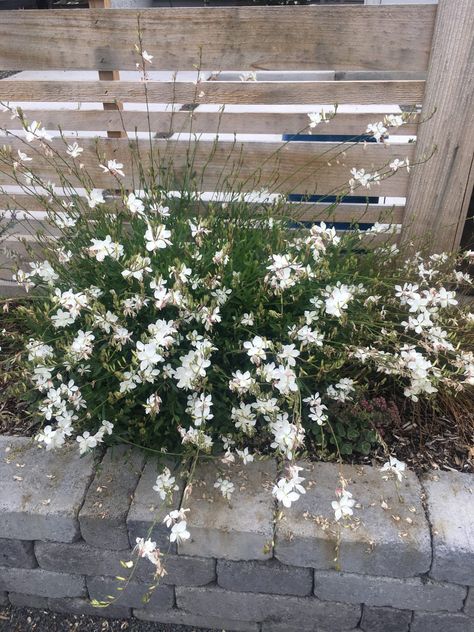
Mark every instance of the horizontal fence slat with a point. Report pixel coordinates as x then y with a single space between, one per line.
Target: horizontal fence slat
302 211
264 38
200 122
297 167
220 92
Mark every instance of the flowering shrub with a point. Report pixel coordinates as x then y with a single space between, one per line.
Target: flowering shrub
208 329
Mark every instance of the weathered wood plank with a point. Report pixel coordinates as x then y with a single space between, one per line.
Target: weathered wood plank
264 38
296 167
305 212
200 122
440 190
269 92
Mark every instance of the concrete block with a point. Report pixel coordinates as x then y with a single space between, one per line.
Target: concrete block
450 500
84 607
264 577
83 559
17 553
410 593
21 600
296 611
393 541
469 604
80 558
41 492
385 619
179 617
134 595
269 626
36 581
147 509
68 605
239 529
441 622
181 570
103 516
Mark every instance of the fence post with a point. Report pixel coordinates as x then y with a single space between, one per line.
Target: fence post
439 190
108 75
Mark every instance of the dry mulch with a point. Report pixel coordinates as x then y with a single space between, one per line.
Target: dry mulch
33 620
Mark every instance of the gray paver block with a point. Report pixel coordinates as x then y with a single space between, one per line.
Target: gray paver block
103 516
264 577
410 593
450 499
84 559
74 605
239 529
148 509
83 606
179 617
162 597
21 600
41 492
17 553
268 626
441 622
469 604
36 581
394 541
296 611
385 619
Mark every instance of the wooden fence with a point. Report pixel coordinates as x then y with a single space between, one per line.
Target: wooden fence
425 53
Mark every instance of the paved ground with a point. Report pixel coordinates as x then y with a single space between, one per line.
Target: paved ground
32 620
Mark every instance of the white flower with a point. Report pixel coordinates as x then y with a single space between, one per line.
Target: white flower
245 456
319 117
94 198
135 205
113 167
34 131
102 248
285 493
62 319
157 237
395 466
153 404
87 442
241 382
284 379
343 506
247 320
165 484
378 130
342 390
225 486
337 299
288 354
81 347
23 157
74 150
179 532
244 418
256 349
148 355
146 56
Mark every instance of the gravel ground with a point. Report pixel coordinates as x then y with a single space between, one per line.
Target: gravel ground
32 620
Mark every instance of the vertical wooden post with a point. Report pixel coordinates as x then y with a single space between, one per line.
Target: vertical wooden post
439 190
108 75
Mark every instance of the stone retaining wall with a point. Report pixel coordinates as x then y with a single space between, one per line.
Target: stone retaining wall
405 561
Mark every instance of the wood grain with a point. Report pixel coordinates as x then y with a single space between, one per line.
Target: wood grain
440 190
234 38
305 212
295 167
221 92
200 122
